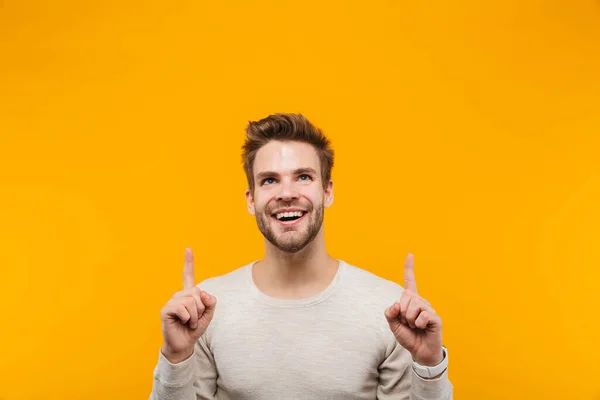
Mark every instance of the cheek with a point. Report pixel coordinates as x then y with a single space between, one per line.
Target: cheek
316 198
259 204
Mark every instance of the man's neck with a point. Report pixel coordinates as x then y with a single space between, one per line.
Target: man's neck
295 275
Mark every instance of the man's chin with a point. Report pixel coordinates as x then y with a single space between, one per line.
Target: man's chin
290 246
290 241
291 249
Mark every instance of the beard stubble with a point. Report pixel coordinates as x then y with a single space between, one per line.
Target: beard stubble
290 242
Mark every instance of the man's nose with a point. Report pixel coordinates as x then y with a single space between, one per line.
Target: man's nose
287 191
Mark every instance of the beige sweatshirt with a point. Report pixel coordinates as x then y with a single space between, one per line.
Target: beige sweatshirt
335 345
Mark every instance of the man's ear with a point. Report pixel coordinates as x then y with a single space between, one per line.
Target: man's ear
328 195
250 201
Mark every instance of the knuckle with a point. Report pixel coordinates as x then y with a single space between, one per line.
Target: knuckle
176 302
167 308
190 302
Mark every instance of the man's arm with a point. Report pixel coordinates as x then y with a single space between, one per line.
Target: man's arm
192 379
398 380
418 330
186 368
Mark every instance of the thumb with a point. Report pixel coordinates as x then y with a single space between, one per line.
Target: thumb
392 315
210 303
402 332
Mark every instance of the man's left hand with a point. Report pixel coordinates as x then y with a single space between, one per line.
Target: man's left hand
414 323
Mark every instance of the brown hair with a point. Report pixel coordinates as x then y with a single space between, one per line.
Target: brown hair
286 127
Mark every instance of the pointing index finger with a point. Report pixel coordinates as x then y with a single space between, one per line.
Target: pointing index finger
410 283
188 269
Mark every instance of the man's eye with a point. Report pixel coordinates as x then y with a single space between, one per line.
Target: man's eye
308 177
268 181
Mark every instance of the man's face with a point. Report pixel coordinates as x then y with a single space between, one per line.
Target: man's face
288 198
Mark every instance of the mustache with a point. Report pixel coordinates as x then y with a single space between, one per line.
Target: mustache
275 207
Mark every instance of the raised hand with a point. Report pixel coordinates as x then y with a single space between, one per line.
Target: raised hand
186 316
415 324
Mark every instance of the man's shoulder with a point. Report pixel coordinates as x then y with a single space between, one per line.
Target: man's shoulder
366 282
234 280
369 294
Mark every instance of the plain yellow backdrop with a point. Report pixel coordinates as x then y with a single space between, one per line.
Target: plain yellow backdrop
466 132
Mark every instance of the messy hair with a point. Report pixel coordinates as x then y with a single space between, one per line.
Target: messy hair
285 127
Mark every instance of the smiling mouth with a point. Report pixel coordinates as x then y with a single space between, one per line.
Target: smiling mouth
288 218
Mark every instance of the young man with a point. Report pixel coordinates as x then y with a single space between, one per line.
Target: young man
298 324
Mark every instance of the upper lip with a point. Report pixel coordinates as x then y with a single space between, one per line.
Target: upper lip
284 210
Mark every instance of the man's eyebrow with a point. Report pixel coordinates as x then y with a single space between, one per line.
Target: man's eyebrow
267 174
304 171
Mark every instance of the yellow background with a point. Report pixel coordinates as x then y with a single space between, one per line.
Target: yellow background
466 132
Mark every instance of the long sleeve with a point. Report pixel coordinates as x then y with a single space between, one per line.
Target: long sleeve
272 349
398 381
192 379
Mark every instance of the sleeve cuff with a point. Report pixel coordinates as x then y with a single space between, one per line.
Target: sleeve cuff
431 388
174 375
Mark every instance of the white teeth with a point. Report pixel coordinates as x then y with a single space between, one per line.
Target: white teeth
289 214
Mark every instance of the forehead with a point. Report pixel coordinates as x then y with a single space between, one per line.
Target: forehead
278 156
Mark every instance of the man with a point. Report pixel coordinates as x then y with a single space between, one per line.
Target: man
298 324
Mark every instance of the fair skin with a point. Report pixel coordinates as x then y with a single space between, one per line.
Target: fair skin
414 323
186 316
296 264
287 176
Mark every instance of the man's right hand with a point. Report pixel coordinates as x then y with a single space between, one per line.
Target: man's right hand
186 316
